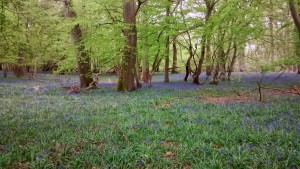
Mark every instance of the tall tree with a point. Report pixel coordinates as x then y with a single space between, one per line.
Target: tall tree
296 19
210 5
83 59
167 47
127 75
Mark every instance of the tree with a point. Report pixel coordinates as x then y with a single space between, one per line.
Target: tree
296 19
127 75
83 60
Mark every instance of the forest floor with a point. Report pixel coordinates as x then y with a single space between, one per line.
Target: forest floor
174 125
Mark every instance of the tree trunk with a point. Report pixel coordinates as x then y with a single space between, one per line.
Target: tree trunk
18 69
295 15
241 60
188 63
187 68
167 60
296 19
174 66
126 79
199 69
208 59
222 64
272 45
167 50
83 59
145 62
220 54
230 70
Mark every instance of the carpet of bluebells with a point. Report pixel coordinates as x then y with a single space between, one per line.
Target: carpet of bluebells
103 128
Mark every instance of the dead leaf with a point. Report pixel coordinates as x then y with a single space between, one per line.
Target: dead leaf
58 147
169 154
163 105
169 144
20 165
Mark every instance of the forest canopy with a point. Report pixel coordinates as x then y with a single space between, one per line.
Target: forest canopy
136 38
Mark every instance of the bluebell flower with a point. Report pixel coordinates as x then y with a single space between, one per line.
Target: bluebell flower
46 151
199 120
68 116
61 166
278 155
250 146
140 163
39 156
222 152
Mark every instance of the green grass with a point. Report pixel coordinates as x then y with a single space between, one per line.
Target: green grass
105 129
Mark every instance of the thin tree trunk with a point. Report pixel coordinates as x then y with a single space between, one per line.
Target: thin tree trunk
209 9
201 60
174 66
167 50
188 63
241 60
208 59
167 60
145 62
230 70
222 64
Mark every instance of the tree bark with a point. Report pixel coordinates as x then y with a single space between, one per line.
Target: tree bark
220 54
199 69
167 49
174 66
296 19
210 4
222 64
18 69
208 59
83 59
230 70
127 77
295 15
187 68
145 62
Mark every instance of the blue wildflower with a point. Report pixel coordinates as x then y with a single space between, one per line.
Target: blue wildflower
46 151
61 166
68 116
222 152
39 156
140 163
250 146
278 155
199 120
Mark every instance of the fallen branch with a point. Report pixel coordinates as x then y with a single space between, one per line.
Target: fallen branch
283 91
